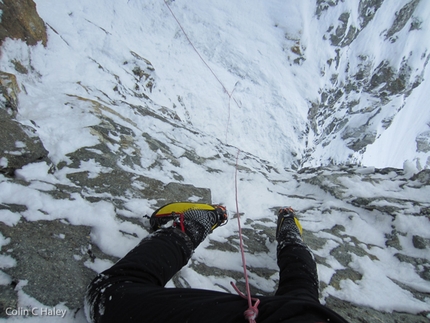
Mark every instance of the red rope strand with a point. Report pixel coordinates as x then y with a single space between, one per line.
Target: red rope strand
252 311
195 49
230 94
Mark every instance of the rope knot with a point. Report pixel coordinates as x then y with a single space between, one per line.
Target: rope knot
251 313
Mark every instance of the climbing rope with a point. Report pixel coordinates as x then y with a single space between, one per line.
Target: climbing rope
252 311
230 94
195 49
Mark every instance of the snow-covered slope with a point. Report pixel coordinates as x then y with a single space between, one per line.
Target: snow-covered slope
131 117
328 83
374 96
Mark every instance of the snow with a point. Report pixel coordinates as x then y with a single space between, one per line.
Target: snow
7 261
397 143
361 292
3 162
245 44
406 126
8 217
99 265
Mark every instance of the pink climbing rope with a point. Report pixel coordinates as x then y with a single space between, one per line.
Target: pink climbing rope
230 94
252 311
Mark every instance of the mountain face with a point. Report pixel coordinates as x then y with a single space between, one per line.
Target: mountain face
107 112
331 82
372 81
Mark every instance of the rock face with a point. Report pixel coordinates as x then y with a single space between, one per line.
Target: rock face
358 96
62 219
9 91
20 20
57 249
18 144
390 206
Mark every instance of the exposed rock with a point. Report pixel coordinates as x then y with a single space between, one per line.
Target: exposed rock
360 85
360 314
8 298
9 91
20 20
343 274
393 240
420 242
422 177
50 255
18 145
423 142
422 265
402 17
358 138
57 246
343 35
118 174
367 10
323 5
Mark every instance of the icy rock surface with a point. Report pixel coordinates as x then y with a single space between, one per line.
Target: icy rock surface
97 132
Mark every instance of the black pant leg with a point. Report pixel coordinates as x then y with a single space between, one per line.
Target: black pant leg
152 263
298 272
133 289
155 260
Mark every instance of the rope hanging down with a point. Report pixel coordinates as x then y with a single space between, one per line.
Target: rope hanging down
252 311
195 49
230 94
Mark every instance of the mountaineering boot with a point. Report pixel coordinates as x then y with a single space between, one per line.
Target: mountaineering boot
288 230
197 224
194 219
